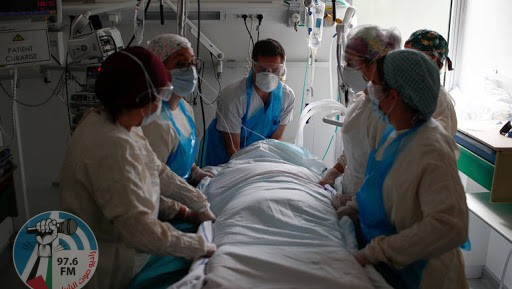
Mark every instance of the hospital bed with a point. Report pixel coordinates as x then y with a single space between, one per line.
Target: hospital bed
276 227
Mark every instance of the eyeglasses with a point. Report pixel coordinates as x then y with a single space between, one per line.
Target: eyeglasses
183 66
165 93
275 68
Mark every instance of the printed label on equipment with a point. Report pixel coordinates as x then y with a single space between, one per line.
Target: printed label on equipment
24 44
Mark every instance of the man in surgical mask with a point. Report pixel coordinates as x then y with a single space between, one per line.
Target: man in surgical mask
254 108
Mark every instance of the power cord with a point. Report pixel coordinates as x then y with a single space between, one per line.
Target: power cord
244 17
260 18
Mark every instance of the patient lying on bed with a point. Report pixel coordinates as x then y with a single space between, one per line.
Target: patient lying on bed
276 227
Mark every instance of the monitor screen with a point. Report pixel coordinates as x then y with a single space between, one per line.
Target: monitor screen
38 10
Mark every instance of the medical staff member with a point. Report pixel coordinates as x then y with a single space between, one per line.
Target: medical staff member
254 108
435 46
173 136
412 205
362 129
113 181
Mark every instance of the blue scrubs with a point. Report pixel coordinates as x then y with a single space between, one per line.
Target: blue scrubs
182 159
259 126
372 213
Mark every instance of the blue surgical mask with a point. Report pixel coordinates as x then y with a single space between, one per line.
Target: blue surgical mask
154 116
184 81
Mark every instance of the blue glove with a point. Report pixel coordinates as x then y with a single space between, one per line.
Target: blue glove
184 81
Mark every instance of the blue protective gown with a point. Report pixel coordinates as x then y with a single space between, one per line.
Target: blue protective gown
370 202
259 126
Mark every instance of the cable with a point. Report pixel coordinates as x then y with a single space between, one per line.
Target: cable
67 93
216 77
260 18
56 60
244 17
55 91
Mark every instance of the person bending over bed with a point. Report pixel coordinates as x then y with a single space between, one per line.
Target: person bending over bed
411 206
254 108
113 181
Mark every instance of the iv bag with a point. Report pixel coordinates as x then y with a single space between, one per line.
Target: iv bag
138 23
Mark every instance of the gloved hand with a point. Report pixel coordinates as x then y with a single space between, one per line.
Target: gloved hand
340 200
197 174
206 215
348 211
210 249
329 177
183 81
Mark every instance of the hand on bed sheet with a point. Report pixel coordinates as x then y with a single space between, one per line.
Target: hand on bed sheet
204 216
340 200
361 258
197 174
348 211
329 177
210 249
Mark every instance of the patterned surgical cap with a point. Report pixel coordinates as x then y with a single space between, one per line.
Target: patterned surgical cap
164 45
430 42
372 42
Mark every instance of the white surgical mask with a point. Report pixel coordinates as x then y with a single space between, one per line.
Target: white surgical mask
354 78
375 92
267 81
152 117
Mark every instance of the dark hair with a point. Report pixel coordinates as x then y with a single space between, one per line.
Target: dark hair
268 47
122 83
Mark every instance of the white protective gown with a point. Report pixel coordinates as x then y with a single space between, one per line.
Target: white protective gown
445 112
425 201
112 180
361 132
162 135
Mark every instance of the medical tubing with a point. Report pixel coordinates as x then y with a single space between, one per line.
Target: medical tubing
331 95
56 90
304 86
330 142
505 267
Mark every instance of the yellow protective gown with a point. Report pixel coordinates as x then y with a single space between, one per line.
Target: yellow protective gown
425 201
113 181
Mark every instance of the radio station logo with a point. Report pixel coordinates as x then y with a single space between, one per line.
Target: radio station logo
55 250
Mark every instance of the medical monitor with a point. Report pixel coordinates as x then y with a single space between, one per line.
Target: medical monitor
49 11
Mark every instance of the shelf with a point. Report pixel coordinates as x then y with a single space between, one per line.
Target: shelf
497 216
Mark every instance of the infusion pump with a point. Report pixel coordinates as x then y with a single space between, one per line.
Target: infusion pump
95 45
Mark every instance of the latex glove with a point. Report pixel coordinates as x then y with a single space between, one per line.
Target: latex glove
340 200
210 249
197 174
183 81
206 215
329 177
361 258
348 211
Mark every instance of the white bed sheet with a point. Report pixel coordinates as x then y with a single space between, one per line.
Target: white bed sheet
276 227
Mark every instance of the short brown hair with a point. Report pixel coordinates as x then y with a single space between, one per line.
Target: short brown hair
268 47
